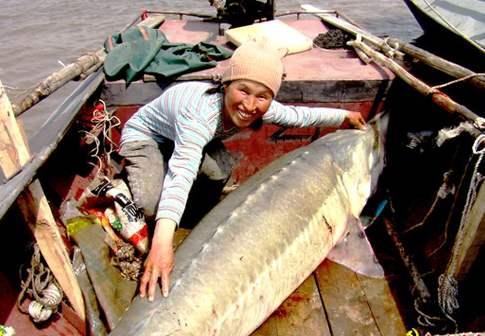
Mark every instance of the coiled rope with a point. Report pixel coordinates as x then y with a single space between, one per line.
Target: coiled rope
42 288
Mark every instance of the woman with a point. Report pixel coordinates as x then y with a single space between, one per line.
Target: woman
185 124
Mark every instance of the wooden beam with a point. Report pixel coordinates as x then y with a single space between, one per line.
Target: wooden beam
469 241
35 208
437 97
13 149
38 215
439 63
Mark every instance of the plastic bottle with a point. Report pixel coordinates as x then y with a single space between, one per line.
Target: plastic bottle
133 226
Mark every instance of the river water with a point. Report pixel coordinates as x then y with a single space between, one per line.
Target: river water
37 37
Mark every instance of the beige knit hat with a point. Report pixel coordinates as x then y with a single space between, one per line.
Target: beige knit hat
255 61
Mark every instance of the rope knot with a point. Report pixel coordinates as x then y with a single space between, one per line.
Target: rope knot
479 145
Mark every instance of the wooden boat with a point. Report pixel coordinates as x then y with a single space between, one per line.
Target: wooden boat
333 300
453 24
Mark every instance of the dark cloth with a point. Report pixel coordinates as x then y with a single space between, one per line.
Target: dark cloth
141 50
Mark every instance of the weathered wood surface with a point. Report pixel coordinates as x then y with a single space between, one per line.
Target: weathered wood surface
85 64
437 97
357 305
58 79
469 241
35 209
436 62
382 305
13 148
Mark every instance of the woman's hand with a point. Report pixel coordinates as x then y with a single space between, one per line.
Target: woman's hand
160 260
356 120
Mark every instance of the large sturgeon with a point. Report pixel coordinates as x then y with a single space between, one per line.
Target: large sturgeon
264 239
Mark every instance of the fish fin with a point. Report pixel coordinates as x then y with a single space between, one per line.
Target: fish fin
355 251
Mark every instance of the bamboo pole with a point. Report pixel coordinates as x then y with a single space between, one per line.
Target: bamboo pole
84 64
58 79
35 208
397 48
437 97
438 63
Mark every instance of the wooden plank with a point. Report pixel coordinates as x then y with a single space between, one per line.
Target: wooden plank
300 314
345 301
466 251
14 152
382 304
36 211
38 215
153 21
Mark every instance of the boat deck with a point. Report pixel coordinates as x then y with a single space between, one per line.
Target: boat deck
333 300
336 301
317 76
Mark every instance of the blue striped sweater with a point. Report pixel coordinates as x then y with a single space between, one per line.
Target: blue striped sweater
190 117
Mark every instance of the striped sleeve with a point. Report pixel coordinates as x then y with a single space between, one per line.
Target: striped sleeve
302 116
191 136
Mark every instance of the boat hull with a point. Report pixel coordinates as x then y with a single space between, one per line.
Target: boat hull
446 41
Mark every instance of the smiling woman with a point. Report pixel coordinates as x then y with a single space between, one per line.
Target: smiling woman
186 125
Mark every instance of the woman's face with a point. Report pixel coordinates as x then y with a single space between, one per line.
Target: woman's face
245 101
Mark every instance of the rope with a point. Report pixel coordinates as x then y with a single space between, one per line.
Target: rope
42 288
451 211
443 192
448 295
447 285
461 79
425 320
103 122
391 50
473 129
